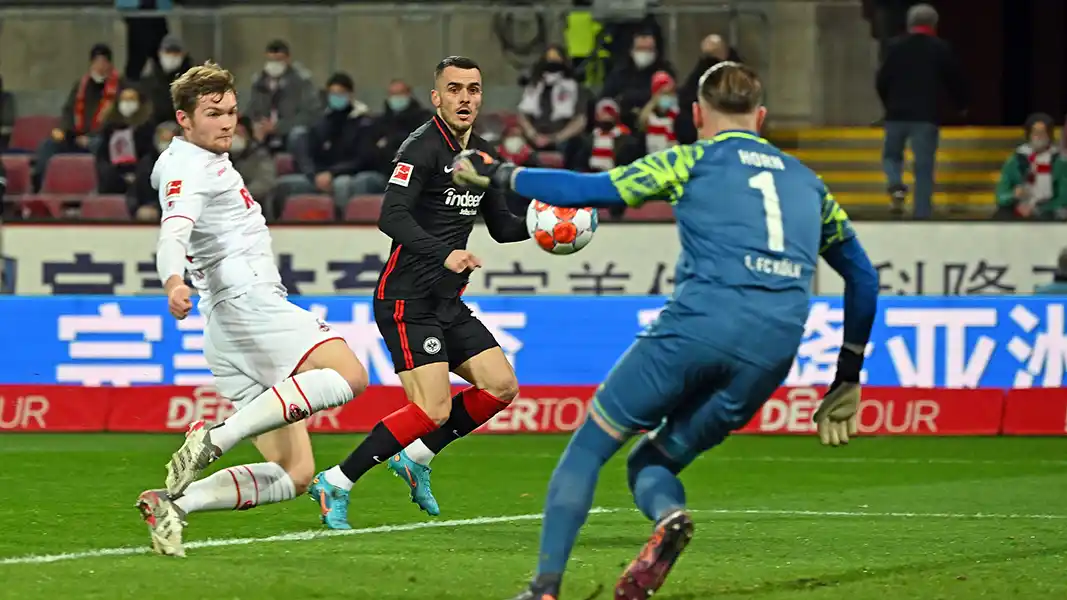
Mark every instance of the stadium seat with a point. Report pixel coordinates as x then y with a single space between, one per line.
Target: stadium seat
70 174
308 207
552 160
283 163
40 206
30 131
363 209
18 173
108 207
650 211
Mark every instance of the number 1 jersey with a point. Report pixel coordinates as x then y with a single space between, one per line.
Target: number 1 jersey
752 222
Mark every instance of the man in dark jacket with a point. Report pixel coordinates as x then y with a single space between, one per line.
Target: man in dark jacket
403 114
908 81
630 83
713 50
160 71
338 160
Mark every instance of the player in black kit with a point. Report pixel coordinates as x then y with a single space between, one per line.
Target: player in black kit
417 305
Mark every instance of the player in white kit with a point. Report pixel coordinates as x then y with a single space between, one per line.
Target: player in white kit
275 361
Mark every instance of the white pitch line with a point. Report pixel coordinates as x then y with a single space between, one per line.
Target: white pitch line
300 536
875 514
303 536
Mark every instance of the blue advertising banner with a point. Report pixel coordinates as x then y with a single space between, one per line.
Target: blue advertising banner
955 342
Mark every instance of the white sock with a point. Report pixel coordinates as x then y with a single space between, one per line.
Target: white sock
238 488
418 452
335 476
290 401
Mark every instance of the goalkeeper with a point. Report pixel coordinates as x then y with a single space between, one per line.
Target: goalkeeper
752 222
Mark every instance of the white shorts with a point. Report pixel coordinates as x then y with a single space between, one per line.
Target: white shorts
258 339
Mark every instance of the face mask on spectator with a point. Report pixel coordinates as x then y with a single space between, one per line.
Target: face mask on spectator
399 103
97 77
643 58
513 144
162 145
338 101
238 145
128 107
170 62
1039 143
667 102
274 68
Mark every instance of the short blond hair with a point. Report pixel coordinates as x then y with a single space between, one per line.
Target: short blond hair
208 79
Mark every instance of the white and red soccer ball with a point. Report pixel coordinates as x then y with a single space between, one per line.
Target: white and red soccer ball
560 230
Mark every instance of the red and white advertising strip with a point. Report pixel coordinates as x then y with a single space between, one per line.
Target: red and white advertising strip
539 409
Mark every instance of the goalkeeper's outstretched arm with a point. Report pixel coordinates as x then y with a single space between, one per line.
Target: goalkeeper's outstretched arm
559 187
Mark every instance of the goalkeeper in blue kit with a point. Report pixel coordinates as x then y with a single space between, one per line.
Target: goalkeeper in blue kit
752 222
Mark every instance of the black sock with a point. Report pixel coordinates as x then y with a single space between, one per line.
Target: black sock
374 450
459 424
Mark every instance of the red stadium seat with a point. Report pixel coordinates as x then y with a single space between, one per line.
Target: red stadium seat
18 173
364 209
308 207
655 210
70 174
283 163
41 206
31 130
109 207
552 160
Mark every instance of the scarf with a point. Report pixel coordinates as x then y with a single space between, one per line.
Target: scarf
110 92
564 97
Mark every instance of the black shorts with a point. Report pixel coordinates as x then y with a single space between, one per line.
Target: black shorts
430 330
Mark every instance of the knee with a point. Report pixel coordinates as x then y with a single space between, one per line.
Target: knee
356 377
646 454
505 390
438 408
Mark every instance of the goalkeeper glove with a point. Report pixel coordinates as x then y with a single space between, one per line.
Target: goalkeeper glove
838 415
477 169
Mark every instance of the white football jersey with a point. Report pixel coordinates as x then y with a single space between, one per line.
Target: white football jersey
229 251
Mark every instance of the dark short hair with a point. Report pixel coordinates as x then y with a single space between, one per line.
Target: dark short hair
731 88
342 79
459 62
100 50
278 47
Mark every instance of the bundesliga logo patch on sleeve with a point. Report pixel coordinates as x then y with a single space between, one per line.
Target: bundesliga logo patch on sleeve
174 188
401 174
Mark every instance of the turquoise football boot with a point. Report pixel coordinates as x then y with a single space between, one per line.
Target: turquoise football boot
332 500
418 479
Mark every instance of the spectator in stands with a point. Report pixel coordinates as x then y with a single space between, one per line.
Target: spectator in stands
713 50
254 162
145 199
630 83
908 81
125 138
168 65
83 112
1058 286
611 143
658 116
554 105
284 101
1033 182
340 150
515 148
403 114
7 116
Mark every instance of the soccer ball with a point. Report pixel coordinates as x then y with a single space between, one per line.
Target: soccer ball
560 230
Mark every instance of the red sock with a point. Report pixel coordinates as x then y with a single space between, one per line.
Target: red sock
409 424
481 405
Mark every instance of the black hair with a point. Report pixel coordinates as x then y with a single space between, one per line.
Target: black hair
459 62
342 79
